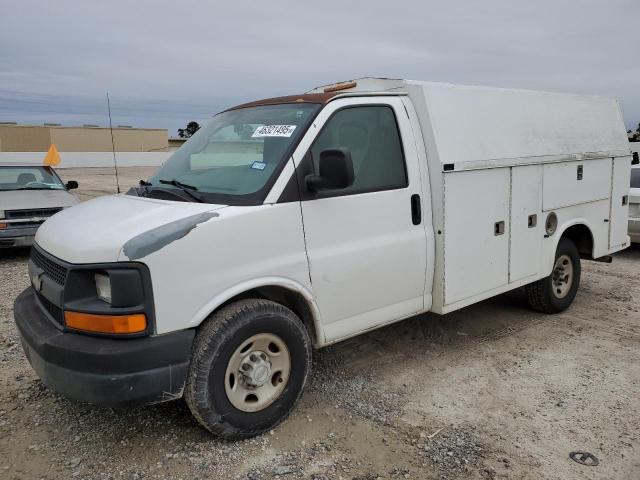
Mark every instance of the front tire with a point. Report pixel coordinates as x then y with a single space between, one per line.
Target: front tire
250 363
555 293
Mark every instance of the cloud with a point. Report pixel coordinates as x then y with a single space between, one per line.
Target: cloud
165 63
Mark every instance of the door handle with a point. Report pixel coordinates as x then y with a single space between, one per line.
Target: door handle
416 209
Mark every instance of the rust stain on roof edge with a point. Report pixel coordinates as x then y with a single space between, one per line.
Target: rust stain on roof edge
302 98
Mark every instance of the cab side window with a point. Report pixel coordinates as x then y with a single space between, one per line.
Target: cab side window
370 133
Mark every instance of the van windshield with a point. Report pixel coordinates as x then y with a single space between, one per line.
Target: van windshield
236 157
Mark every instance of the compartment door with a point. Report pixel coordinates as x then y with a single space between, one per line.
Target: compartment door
621 179
527 224
572 183
476 232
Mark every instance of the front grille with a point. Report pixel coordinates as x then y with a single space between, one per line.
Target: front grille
27 215
39 212
56 312
53 270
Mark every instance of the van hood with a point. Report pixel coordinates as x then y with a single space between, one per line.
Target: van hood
35 199
100 229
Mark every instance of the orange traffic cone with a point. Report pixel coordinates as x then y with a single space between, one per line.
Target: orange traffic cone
52 158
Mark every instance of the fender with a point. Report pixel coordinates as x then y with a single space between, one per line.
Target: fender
563 228
252 284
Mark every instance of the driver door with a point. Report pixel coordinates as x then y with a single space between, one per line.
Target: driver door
366 244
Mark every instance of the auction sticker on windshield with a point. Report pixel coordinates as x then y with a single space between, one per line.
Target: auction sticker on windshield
274 131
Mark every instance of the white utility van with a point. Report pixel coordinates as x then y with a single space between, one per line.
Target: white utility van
296 222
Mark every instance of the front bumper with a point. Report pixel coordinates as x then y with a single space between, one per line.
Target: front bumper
103 370
17 237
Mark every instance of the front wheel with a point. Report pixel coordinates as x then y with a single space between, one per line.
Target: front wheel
555 293
250 364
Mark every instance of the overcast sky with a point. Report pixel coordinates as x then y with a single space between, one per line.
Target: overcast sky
165 63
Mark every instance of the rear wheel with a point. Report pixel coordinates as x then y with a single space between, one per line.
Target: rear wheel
555 293
250 363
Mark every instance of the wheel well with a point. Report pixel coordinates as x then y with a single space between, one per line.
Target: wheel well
289 298
581 236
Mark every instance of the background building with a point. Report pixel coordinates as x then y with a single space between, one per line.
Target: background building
88 138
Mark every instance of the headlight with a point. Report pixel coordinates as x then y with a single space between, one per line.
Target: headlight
103 287
1 214
111 299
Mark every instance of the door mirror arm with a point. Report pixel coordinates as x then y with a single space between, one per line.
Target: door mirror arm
313 182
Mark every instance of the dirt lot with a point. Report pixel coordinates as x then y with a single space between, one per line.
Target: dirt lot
102 181
492 391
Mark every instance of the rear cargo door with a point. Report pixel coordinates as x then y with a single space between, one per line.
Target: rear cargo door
476 232
620 186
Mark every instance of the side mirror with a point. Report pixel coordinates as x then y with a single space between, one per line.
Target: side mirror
71 184
336 171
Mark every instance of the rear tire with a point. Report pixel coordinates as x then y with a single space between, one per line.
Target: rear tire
555 293
249 366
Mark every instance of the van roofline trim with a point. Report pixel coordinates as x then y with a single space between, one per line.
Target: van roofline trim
317 98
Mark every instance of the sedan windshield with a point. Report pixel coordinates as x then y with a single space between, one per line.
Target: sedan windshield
29 178
237 156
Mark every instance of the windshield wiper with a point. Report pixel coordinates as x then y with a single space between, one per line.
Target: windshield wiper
178 184
36 188
186 188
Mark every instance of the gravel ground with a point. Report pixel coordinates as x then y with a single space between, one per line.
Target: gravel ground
492 391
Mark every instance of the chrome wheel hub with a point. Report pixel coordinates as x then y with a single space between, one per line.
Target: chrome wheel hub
255 369
257 372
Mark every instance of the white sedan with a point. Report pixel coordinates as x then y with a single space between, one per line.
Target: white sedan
29 194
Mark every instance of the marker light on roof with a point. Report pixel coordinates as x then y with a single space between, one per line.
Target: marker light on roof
340 86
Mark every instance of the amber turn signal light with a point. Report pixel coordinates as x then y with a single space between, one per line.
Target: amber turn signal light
340 86
3 225
89 322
